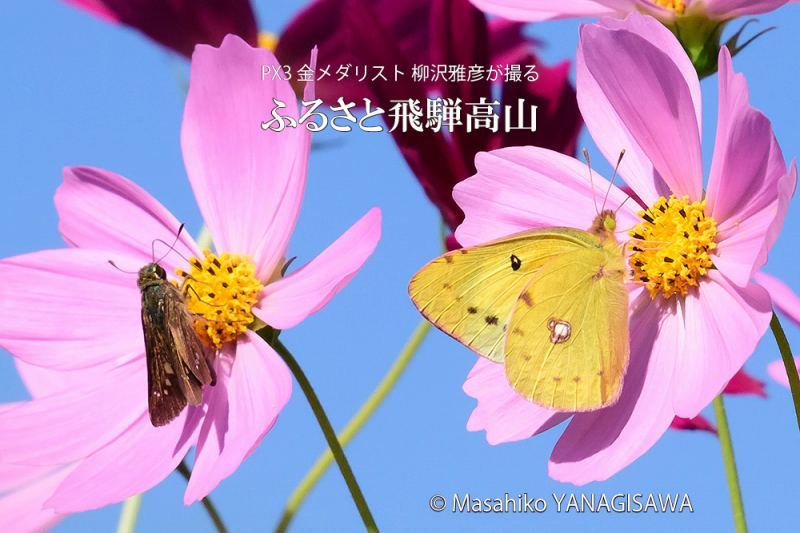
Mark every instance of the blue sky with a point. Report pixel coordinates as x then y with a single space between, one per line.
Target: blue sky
78 91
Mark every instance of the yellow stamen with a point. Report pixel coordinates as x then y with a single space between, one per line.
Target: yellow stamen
672 246
678 6
267 40
221 291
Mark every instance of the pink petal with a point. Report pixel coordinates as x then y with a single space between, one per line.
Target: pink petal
743 244
70 309
543 9
604 123
13 476
721 326
744 383
654 95
599 444
783 297
101 210
505 196
248 182
288 301
252 388
728 9
133 463
23 509
41 381
698 423
787 186
743 186
72 424
97 8
501 412
777 371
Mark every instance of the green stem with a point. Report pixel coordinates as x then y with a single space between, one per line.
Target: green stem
355 424
788 362
204 238
129 514
327 430
207 503
730 465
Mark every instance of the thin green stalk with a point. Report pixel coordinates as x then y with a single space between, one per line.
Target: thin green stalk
129 514
355 424
207 503
327 429
788 362
204 238
730 465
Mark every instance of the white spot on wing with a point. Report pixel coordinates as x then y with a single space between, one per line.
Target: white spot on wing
560 330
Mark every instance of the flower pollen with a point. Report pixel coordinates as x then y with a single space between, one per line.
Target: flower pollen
678 6
672 246
221 291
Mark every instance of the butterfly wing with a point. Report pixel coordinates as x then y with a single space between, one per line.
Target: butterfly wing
567 345
165 396
470 293
176 364
188 346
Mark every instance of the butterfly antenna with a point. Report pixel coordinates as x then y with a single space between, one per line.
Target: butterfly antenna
171 247
627 197
200 298
286 265
112 263
591 179
611 183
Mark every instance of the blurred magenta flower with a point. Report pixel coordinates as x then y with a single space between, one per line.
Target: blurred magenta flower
741 383
665 10
179 24
692 326
69 317
424 32
777 371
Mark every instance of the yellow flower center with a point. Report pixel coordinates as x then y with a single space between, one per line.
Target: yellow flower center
221 291
678 6
267 40
672 246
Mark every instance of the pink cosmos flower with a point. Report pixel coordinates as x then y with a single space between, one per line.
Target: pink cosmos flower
73 322
695 315
179 24
665 10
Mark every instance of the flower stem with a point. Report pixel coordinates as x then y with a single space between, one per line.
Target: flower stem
204 238
730 465
330 435
788 362
129 514
355 424
207 503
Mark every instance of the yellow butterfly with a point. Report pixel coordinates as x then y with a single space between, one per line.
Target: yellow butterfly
549 304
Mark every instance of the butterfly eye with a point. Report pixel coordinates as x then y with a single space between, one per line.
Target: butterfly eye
516 262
